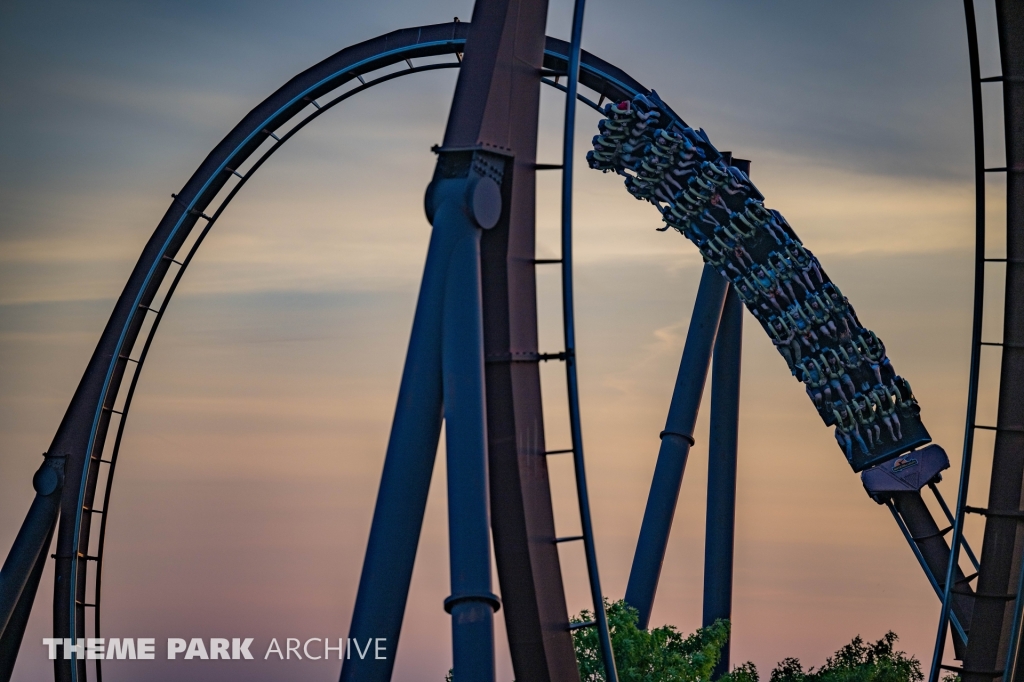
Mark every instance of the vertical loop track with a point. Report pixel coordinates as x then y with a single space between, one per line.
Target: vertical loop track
572 84
976 329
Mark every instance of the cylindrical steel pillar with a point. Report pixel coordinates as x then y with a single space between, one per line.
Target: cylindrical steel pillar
10 641
1002 549
472 604
676 440
931 542
405 482
19 577
721 509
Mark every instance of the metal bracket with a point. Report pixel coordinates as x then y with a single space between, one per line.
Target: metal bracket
486 597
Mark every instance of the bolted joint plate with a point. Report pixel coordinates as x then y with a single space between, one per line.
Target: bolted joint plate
484 170
486 597
484 199
49 478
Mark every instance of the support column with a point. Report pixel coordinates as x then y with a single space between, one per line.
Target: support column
445 365
721 510
495 109
471 604
405 481
934 553
1003 546
10 641
19 577
676 440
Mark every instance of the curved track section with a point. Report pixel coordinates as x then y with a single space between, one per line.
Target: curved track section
82 433
82 437
97 576
993 650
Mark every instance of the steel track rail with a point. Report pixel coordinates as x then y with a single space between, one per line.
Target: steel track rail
976 330
140 362
188 208
993 646
569 331
98 393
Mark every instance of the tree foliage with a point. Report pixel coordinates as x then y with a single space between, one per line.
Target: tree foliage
657 655
856 662
664 655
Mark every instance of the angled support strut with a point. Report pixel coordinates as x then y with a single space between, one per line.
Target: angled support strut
445 366
721 504
676 440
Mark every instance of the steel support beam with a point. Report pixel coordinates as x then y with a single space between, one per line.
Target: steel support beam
10 642
496 108
934 554
19 577
444 366
405 481
723 443
1003 544
33 540
676 440
977 328
471 603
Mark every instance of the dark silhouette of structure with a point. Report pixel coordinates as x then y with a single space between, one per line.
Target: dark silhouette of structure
484 379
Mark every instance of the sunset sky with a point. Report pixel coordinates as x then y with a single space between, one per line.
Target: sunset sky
250 463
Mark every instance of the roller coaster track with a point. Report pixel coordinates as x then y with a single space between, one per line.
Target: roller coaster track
76 456
77 465
993 650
